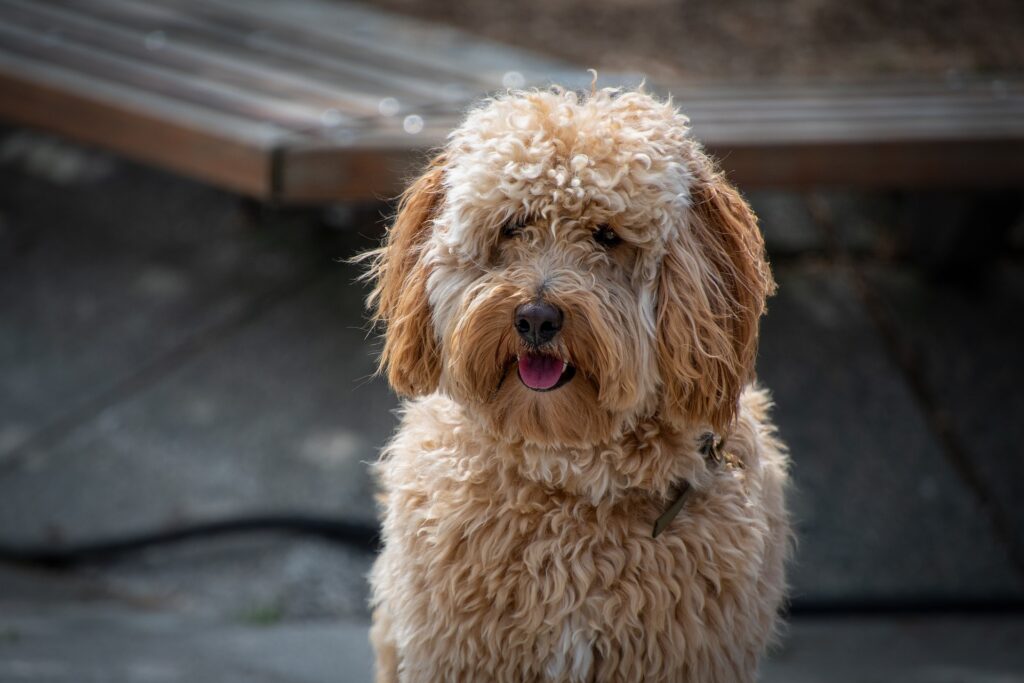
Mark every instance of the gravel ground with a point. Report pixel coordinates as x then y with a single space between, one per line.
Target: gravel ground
747 39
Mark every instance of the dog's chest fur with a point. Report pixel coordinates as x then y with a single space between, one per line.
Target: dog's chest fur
490 575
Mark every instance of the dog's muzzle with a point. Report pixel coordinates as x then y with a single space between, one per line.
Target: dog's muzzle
538 323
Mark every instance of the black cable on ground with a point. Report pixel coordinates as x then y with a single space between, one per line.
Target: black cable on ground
57 556
366 538
912 606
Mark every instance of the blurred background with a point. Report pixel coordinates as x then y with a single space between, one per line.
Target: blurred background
187 399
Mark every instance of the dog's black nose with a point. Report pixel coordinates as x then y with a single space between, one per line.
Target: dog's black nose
538 322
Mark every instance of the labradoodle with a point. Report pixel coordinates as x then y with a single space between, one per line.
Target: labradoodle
585 485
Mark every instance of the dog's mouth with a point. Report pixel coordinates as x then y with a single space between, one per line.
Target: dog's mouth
543 372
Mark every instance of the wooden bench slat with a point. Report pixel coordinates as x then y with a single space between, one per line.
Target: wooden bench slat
878 108
228 151
839 126
292 94
156 80
897 164
188 33
267 26
243 42
828 114
805 133
89 31
438 52
995 86
149 77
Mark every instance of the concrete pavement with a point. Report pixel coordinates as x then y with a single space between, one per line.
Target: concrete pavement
168 355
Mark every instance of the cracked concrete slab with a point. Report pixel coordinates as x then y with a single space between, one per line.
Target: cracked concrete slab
908 649
967 345
283 415
881 513
106 272
78 638
111 643
272 405
260 578
104 276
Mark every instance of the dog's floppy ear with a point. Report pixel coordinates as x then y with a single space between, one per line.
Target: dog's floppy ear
399 299
714 281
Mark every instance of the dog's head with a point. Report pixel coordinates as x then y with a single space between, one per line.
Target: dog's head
568 265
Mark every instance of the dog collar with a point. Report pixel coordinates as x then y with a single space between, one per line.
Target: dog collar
711 447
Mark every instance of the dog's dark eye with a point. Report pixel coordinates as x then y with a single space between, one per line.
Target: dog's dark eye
513 227
606 237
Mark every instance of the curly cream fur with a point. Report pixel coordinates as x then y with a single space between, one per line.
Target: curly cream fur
517 524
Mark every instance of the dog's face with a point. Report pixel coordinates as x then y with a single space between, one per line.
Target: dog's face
567 266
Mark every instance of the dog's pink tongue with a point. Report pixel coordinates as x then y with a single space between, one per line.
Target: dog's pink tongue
539 371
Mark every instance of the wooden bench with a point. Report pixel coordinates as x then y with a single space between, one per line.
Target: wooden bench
298 101
961 133
311 101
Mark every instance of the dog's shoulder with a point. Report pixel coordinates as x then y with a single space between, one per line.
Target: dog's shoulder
434 441
426 423
754 437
